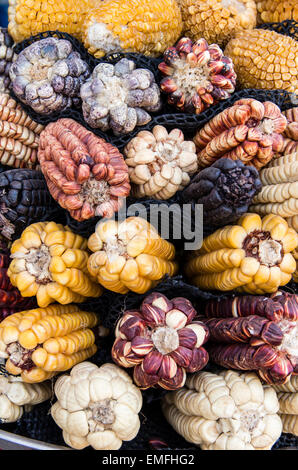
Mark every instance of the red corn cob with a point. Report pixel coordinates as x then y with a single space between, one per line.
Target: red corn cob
253 329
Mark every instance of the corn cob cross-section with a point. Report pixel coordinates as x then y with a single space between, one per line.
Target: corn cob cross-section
252 256
41 342
130 255
50 262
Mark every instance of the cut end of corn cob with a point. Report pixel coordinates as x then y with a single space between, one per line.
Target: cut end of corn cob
253 256
130 255
264 59
19 135
41 342
50 262
147 27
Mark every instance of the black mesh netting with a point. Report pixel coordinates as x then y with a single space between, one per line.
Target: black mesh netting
110 306
148 208
287 28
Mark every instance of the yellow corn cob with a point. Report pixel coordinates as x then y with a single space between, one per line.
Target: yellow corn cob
50 262
293 223
129 255
279 194
145 26
253 256
275 11
216 20
29 17
51 339
264 59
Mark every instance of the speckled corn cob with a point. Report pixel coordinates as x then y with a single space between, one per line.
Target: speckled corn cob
41 342
129 256
19 135
264 59
7 57
50 262
144 26
217 20
29 17
275 11
253 256
290 134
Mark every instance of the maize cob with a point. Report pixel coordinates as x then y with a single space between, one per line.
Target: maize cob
260 336
119 97
19 135
224 411
159 163
264 59
41 342
279 194
290 133
196 75
85 174
144 26
29 17
248 130
24 198
164 343
47 75
275 11
225 189
129 255
50 262
293 223
17 397
106 405
7 57
252 256
287 395
217 20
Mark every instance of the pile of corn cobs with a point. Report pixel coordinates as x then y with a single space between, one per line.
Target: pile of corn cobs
241 165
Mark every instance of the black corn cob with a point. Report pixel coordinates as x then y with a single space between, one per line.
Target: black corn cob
24 199
225 189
